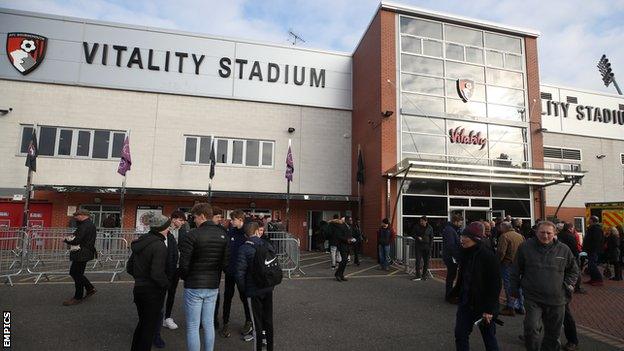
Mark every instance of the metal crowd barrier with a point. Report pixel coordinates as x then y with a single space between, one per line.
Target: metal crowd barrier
42 252
404 252
287 249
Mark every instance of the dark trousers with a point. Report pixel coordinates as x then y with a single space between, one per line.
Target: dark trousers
422 254
451 274
464 322
357 249
617 270
149 302
546 318
230 284
76 271
173 286
343 263
569 326
592 265
262 308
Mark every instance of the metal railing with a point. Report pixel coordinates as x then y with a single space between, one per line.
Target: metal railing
403 252
288 250
42 252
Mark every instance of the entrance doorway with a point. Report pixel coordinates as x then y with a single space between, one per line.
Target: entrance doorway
314 223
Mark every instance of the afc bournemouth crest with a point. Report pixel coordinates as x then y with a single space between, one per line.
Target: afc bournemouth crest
25 51
465 88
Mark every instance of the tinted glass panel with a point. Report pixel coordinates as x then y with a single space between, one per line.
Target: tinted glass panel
421 84
84 143
515 208
26 135
463 35
118 140
505 112
424 205
505 96
424 125
422 105
421 28
47 140
252 153
505 78
423 65
190 151
237 152
100 144
459 202
222 150
455 52
494 58
506 134
418 143
410 44
432 48
510 190
65 141
504 43
479 203
513 61
463 71
204 149
474 55
508 154
470 108
426 187
267 154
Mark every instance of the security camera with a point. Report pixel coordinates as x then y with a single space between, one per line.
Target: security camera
4 111
601 156
387 113
291 130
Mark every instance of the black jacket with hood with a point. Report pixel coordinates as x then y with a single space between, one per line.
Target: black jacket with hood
148 260
84 236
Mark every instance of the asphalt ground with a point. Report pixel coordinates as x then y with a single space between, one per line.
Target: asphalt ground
374 310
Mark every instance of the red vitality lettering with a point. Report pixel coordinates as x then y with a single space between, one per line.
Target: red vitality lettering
459 136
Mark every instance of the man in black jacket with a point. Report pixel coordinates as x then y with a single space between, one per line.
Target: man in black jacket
204 255
147 266
423 235
593 244
478 288
82 250
344 237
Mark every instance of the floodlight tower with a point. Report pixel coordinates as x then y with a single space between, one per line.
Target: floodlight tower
604 66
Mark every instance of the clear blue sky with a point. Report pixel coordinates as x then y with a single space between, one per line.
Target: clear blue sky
575 33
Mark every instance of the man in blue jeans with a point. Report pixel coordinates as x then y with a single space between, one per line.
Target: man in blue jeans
385 236
204 255
508 243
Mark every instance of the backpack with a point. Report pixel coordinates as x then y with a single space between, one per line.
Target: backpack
265 271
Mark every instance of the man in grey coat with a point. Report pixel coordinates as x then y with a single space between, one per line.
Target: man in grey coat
546 271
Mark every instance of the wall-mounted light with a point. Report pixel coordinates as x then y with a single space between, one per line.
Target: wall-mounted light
541 130
5 110
387 113
291 130
601 156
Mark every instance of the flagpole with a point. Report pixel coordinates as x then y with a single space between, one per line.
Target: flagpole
213 161
123 192
358 189
288 196
28 185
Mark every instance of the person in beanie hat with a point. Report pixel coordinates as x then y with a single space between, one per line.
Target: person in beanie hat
477 290
147 266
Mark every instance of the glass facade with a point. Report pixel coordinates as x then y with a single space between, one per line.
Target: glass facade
486 125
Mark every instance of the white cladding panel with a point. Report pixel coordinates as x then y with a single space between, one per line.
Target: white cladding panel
65 62
585 123
321 144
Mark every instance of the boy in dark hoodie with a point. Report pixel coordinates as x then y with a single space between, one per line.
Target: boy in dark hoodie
147 266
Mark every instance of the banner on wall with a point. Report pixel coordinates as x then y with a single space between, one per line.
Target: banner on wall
141 215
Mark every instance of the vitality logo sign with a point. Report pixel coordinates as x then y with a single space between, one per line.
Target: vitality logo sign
25 51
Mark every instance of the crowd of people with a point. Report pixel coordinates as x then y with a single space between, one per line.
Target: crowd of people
538 269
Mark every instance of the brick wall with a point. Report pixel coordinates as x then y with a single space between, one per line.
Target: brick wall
535 118
374 63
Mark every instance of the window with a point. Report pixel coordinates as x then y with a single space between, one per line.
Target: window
572 100
424 205
238 152
546 96
99 214
73 142
622 159
421 28
579 224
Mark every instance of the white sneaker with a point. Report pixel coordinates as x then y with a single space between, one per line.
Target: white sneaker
169 323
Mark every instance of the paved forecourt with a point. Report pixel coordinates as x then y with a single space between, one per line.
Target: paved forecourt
374 310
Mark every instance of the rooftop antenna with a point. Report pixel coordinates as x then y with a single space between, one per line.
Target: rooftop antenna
294 37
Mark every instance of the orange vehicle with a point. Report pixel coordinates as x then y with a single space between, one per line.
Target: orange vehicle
611 214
